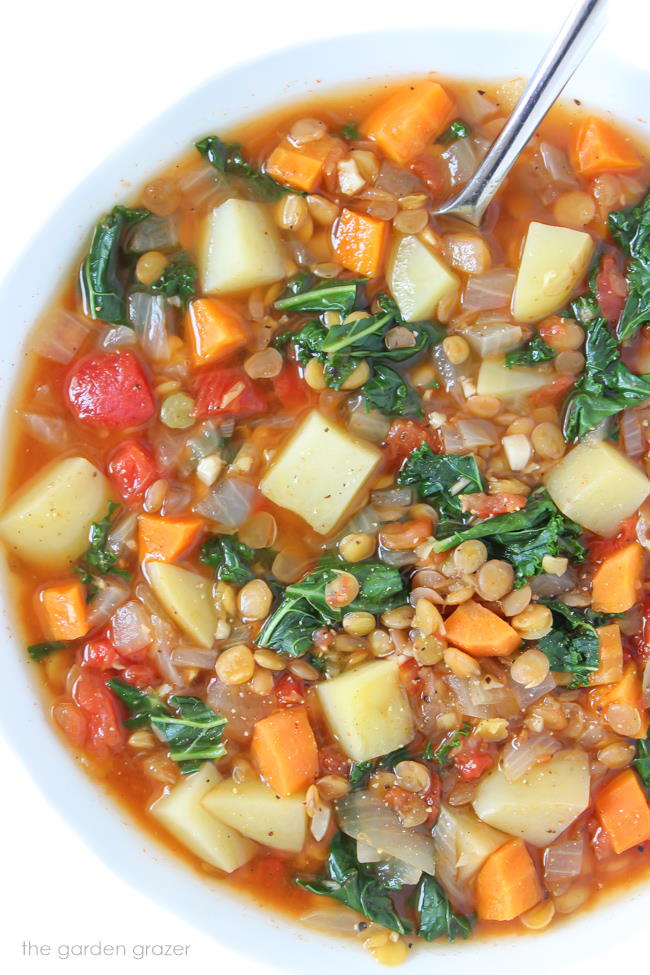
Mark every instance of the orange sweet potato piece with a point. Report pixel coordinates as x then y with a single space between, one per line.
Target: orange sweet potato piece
284 750
507 884
214 330
300 168
62 610
610 670
360 242
628 691
409 120
477 630
617 580
166 539
596 147
624 811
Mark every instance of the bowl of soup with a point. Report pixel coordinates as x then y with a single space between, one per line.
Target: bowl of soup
325 517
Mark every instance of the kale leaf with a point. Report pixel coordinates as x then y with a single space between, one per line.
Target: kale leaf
457 130
642 762
39 651
102 288
98 559
437 917
389 393
530 354
357 885
573 646
228 159
191 729
229 557
441 754
631 228
178 280
324 296
440 479
359 771
350 131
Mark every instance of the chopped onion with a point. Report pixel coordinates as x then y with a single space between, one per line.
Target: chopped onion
396 180
475 106
367 853
154 233
363 816
130 627
241 707
229 503
148 314
194 657
483 697
110 596
477 433
336 919
176 499
396 495
169 448
493 338
393 871
492 289
445 835
203 442
556 162
116 337
46 429
646 685
547 586
366 521
454 443
122 532
527 695
240 633
632 433
397 557
371 425
450 375
461 160
165 639
563 862
60 336
521 754
204 184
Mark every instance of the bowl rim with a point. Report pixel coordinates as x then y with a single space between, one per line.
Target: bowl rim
133 855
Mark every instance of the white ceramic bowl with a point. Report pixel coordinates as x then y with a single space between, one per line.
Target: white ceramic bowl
229 97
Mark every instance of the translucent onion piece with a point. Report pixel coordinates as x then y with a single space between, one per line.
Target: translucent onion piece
479 698
367 853
396 871
646 685
241 707
149 316
632 434
556 163
493 338
60 336
165 639
475 106
229 503
336 919
367 520
122 532
203 185
131 628
527 695
446 852
477 433
454 443
363 816
493 289
372 426
117 337
110 596
169 448
548 586
397 558
450 375
519 755
398 495
563 862
461 160
398 181
154 233
193 657
176 499
51 430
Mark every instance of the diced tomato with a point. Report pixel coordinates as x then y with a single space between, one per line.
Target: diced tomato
100 654
600 839
332 761
268 871
431 172
601 548
472 760
102 711
141 675
110 389
409 675
611 289
291 389
489 505
641 640
636 353
227 392
432 798
553 391
132 469
405 435
72 722
289 690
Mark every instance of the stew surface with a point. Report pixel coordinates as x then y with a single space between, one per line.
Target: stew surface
328 517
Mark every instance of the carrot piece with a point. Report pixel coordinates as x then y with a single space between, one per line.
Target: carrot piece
507 884
596 147
410 119
624 811
616 582
214 330
284 749
360 242
166 539
300 168
628 690
62 610
610 670
479 631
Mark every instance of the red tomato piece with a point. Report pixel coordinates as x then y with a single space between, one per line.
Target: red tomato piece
110 389
72 722
227 392
404 436
553 391
642 638
291 389
601 548
100 654
611 289
432 798
332 761
489 505
141 675
430 171
472 760
132 469
289 690
102 711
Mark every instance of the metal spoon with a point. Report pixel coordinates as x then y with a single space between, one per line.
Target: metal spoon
578 33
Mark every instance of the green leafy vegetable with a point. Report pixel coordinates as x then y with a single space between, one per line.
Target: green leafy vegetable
457 130
525 537
440 479
642 762
437 917
178 280
229 557
530 354
631 228
359 771
573 646
228 158
193 732
324 296
389 393
38 651
303 608
98 559
350 131
357 885
441 755
102 286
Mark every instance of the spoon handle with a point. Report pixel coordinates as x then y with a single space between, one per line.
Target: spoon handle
578 33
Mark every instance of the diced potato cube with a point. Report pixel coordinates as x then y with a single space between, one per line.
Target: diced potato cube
417 278
540 805
367 710
495 379
474 840
240 248
258 812
181 812
597 486
553 261
47 523
319 472
187 597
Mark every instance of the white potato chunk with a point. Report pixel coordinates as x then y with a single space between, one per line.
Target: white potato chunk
319 472
240 248
553 261
187 597
417 278
496 379
181 812
474 841
258 812
597 486
47 522
540 805
367 710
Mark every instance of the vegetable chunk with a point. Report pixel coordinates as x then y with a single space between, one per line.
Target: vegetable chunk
405 124
476 629
627 691
240 248
495 378
596 148
507 884
47 523
181 812
360 242
417 278
539 806
624 811
616 583
553 261
111 390
319 472
256 811
595 485
367 710
167 539
187 598
301 167
62 610
285 751
214 329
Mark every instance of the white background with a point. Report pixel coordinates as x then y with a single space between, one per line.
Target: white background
77 79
